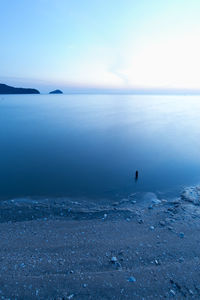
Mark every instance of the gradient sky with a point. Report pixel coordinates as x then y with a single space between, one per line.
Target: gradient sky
100 43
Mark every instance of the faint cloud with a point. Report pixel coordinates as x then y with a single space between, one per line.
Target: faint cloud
115 69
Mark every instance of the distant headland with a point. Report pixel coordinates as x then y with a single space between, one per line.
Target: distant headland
56 92
6 89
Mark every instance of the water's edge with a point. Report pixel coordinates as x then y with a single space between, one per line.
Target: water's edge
27 208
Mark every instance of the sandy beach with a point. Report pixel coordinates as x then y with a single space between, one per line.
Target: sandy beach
148 250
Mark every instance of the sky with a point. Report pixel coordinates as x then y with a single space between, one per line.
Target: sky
100 44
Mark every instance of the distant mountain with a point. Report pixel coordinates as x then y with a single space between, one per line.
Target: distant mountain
56 92
6 89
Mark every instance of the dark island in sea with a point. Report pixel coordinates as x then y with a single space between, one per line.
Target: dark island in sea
6 89
56 92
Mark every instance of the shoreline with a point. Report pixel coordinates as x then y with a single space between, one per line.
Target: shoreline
146 250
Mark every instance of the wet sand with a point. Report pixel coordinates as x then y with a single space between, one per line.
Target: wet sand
149 250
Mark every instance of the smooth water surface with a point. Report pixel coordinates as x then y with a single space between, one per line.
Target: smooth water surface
91 145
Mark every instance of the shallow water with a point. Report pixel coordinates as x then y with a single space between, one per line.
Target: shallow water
91 145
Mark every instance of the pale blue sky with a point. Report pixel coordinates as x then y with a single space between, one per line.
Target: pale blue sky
103 44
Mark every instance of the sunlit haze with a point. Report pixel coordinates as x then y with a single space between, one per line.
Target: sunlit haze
129 44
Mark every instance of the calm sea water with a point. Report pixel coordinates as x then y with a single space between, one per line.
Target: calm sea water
91 145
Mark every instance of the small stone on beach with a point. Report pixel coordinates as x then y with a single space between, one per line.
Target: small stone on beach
172 292
181 259
157 262
114 259
104 216
140 221
131 279
162 223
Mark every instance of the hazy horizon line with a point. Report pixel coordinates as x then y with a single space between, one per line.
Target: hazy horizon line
77 89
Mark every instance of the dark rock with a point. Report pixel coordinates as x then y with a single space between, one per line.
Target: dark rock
118 266
140 221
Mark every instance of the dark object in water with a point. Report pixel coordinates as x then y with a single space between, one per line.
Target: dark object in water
136 175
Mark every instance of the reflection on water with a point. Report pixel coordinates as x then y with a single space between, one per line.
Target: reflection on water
92 145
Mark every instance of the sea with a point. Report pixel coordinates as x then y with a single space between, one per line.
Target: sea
89 146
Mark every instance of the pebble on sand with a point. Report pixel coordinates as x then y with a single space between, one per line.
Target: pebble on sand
162 223
131 279
114 259
172 292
